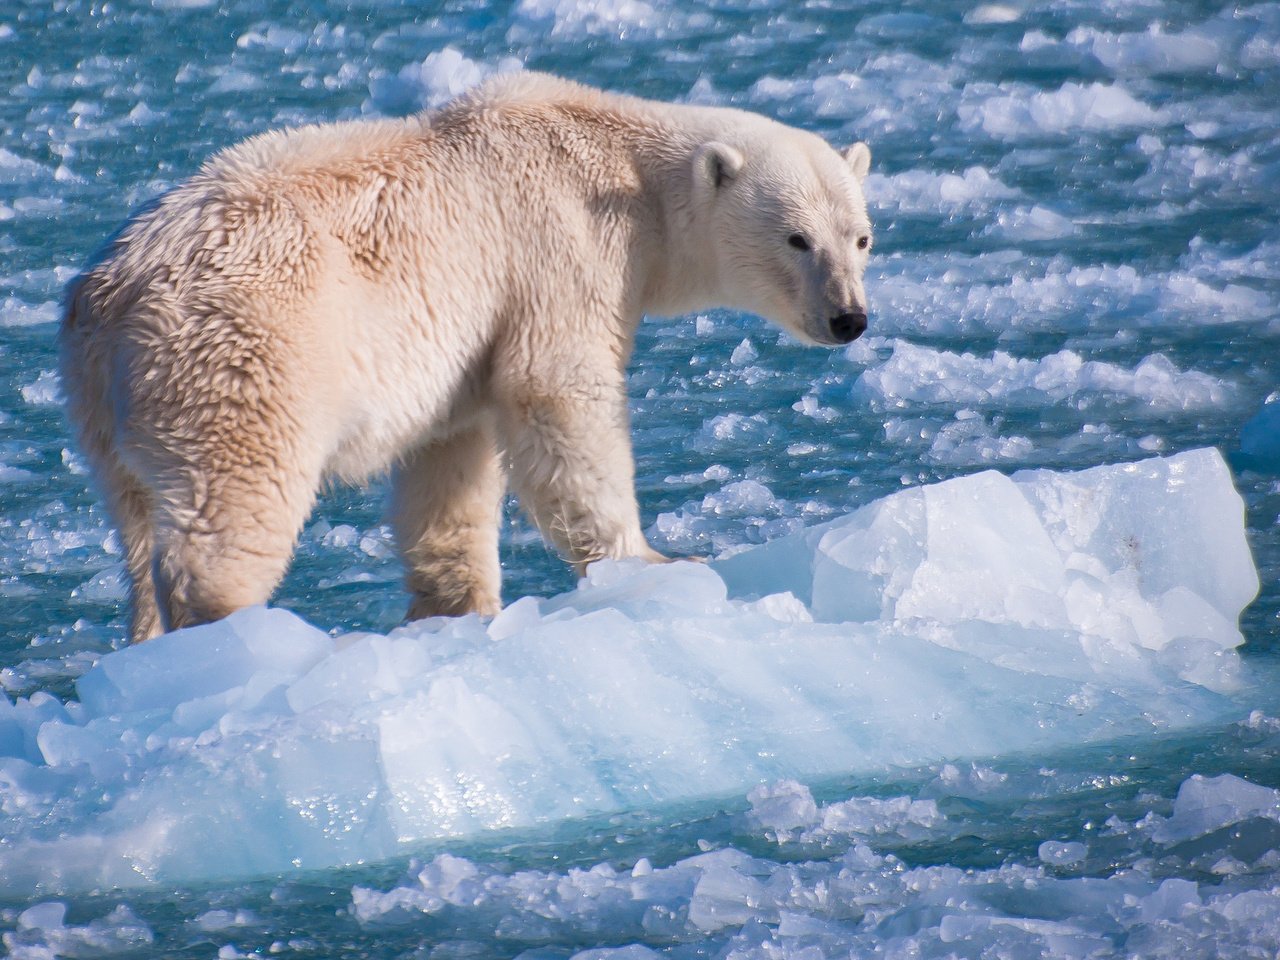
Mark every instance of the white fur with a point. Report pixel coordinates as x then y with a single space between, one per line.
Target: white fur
453 297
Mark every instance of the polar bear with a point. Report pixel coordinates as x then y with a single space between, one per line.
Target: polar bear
452 297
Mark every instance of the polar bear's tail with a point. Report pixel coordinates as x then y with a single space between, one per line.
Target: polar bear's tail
85 362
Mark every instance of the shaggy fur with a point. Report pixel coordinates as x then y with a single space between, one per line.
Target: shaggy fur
452 297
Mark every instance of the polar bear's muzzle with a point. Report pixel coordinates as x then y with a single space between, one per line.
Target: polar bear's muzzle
848 327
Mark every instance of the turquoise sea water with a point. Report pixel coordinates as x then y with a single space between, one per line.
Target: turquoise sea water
1077 261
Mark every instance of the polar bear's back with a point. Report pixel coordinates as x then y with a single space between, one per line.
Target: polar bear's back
344 147
299 150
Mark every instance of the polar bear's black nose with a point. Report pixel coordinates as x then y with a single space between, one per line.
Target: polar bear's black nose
848 327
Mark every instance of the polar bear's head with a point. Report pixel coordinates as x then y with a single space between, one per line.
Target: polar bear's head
784 218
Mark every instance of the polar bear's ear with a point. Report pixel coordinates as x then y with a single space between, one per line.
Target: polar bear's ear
859 159
717 163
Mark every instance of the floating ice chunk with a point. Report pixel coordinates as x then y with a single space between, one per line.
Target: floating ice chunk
704 92
783 807
378 544
680 531
1151 52
273 37
17 313
143 114
968 440
44 391
1254 907
452 879
46 916
1061 854
742 498
440 77
976 780
618 17
11 474
42 932
744 353
16 169
109 585
996 293
235 81
809 406
920 374
787 812
1205 804
1231 302
213 920
1195 172
727 895
1032 224
727 428
775 88
993 13
891 92
343 536
1260 53
1014 111
922 191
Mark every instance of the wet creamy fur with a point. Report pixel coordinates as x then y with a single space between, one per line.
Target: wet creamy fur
453 297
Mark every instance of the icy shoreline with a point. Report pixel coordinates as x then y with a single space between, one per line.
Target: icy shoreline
976 617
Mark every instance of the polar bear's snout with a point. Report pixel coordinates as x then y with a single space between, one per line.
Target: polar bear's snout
848 327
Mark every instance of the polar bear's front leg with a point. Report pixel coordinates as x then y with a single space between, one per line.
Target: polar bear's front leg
444 509
568 443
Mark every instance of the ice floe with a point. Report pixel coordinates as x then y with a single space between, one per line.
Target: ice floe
983 615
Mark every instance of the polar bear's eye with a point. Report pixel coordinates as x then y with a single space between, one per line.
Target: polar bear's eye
862 242
798 241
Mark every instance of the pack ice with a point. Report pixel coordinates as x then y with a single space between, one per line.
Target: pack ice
980 616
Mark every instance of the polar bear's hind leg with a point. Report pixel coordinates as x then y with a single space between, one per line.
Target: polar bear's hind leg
444 510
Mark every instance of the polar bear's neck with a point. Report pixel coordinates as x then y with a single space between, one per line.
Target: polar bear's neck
637 145
683 272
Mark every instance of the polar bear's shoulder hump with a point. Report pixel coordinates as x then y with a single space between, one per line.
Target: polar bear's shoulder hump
312 147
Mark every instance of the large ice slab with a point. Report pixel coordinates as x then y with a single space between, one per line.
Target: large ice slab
1097 564
981 616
